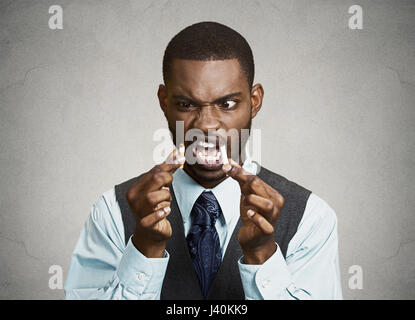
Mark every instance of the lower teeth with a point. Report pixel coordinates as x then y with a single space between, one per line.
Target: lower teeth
209 159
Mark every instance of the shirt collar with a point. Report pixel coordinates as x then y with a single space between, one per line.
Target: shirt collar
227 193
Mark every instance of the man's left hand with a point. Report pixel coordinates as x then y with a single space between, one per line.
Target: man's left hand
260 206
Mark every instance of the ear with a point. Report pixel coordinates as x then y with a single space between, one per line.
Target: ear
162 96
257 94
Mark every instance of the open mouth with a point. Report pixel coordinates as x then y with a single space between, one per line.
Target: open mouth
209 155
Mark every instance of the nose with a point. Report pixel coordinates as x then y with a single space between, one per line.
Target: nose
208 118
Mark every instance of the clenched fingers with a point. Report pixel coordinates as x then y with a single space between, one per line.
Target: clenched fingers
155 197
260 222
153 218
264 206
248 182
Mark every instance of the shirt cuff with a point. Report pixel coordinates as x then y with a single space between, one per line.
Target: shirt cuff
141 275
267 281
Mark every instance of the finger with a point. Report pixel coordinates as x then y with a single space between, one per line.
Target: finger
158 180
264 206
173 162
279 200
153 218
260 222
235 171
161 205
169 166
257 186
247 181
155 197
154 183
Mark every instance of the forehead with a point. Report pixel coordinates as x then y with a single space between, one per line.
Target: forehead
206 80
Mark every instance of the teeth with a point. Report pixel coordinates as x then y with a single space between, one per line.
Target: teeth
209 159
225 154
206 144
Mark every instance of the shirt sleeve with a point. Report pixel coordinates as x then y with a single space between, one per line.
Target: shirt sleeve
103 267
311 267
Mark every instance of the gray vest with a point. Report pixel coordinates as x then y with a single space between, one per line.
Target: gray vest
180 281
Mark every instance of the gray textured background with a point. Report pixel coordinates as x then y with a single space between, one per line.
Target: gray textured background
78 110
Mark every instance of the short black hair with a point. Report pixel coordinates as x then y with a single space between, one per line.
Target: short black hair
209 41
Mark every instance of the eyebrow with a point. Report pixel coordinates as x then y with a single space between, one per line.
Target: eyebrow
221 99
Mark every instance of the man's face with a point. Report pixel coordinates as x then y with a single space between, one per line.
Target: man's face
209 95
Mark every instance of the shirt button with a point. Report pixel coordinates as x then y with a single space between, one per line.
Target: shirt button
265 283
141 276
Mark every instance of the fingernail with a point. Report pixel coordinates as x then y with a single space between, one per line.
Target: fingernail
250 213
227 167
166 209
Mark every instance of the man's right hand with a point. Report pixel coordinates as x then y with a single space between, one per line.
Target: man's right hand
149 200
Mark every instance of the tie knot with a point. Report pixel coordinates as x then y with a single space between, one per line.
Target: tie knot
206 209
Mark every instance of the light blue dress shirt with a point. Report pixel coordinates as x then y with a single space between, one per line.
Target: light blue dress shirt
104 267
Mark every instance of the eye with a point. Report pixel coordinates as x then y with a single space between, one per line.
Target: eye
184 105
229 104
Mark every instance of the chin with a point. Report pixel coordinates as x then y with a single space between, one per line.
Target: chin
207 174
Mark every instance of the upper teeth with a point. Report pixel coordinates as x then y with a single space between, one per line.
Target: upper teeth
208 157
206 144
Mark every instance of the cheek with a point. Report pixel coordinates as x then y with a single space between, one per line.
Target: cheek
173 117
240 119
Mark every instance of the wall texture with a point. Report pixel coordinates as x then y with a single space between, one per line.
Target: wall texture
78 110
